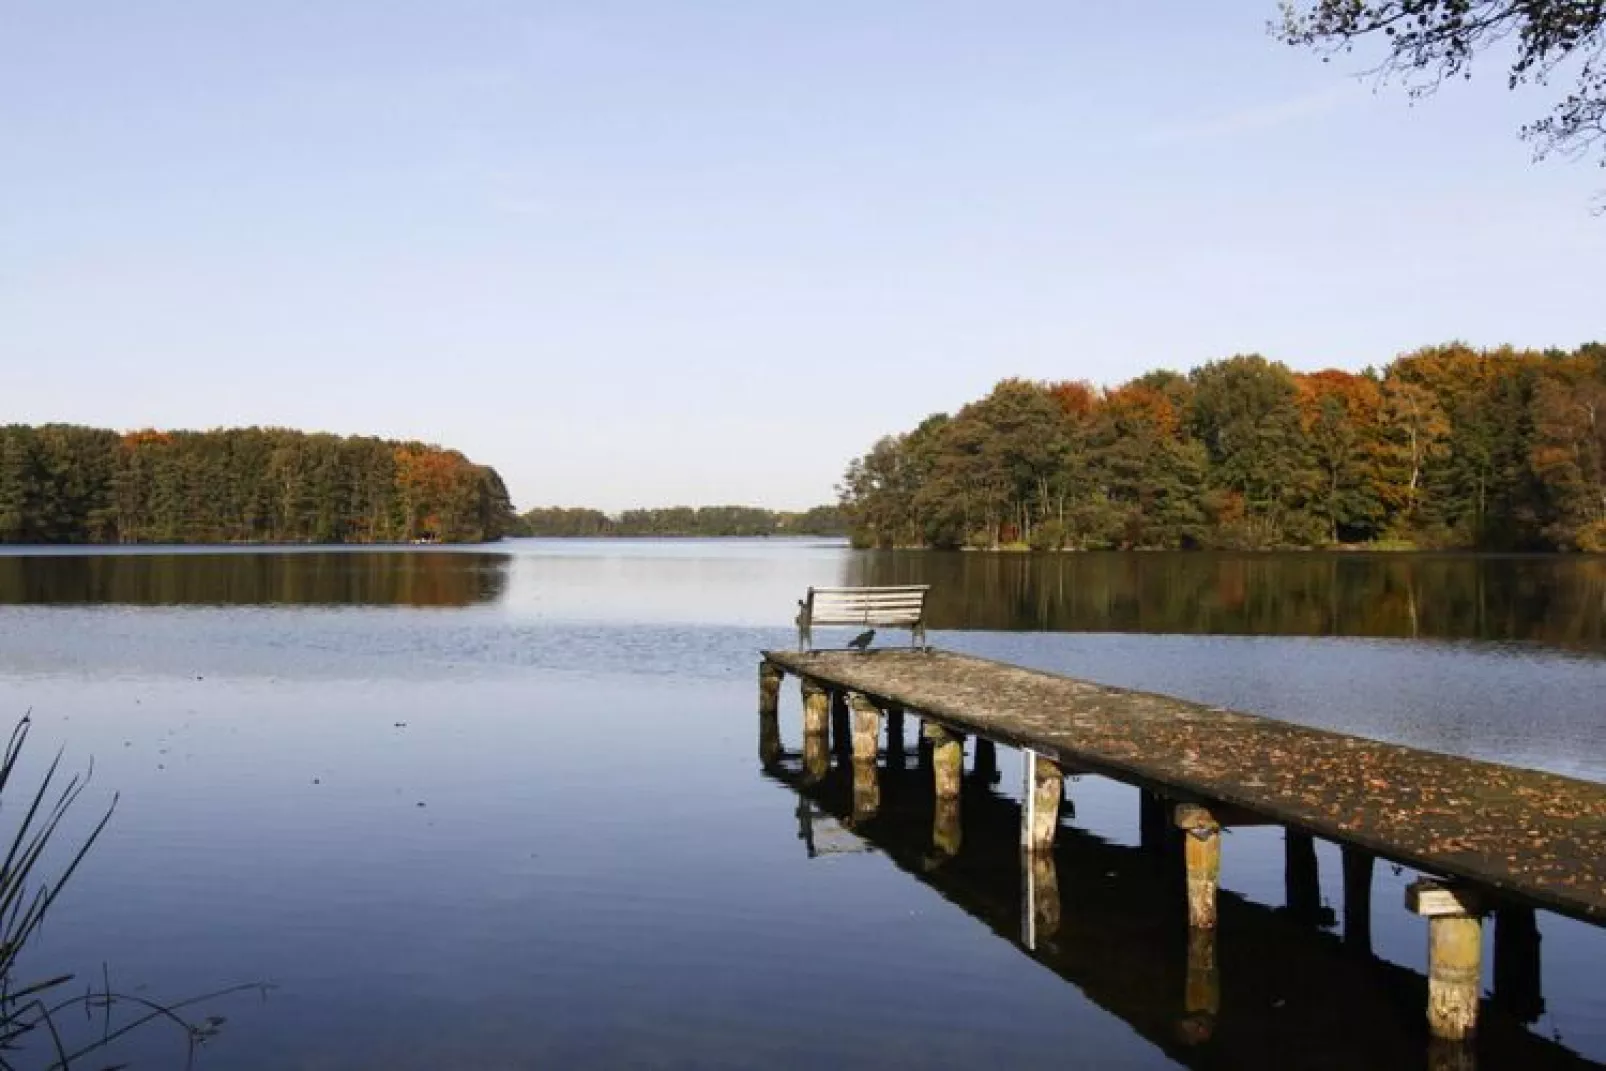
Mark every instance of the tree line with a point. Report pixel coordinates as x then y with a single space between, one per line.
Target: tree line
1446 447
63 483
706 521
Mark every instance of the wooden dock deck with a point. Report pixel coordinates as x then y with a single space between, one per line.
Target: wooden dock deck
1495 836
1533 836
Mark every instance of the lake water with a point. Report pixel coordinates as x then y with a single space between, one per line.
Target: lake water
502 807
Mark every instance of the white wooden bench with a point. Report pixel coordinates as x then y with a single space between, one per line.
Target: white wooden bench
884 607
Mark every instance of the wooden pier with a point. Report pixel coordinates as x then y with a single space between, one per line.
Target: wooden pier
1109 920
1494 838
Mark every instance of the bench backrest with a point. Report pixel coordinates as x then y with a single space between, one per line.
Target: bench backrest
891 607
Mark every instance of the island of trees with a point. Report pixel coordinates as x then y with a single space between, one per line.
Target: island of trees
681 521
62 483
1446 447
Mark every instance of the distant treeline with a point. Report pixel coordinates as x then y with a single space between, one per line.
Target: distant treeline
61 483
681 521
1445 447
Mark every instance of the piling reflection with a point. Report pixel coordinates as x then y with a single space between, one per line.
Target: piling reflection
1547 598
1261 988
302 578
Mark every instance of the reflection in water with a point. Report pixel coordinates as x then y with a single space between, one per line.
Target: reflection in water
367 578
1269 988
1550 598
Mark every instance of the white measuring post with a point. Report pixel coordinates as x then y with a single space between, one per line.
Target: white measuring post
1029 801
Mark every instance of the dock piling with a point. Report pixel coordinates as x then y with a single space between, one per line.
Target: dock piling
841 744
1044 789
1152 831
1202 855
1358 865
769 712
947 758
1302 888
866 728
866 737
1201 1000
895 746
816 722
984 766
947 763
1455 954
1040 914
1517 974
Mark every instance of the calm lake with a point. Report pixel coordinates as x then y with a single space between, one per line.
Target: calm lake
502 807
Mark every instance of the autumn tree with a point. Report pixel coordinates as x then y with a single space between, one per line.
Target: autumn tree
1569 451
1152 473
1245 412
63 484
1446 446
1340 413
1413 431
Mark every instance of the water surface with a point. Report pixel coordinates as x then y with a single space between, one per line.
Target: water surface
501 807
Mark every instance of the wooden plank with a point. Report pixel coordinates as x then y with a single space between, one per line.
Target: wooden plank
1539 838
821 612
884 588
902 613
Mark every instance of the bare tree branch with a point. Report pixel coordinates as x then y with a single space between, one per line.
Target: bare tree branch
1432 41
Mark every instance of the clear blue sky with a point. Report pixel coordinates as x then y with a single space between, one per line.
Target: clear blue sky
652 253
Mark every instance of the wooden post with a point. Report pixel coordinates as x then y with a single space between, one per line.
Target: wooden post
947 763
841 744
816 741
895 752
1447 1055
866 737
947 759
1517 976
1455 955
866 728
1152 824
1302 886
866 790
1358 898
1040 817
984 766
769 712
1201 998
1202 855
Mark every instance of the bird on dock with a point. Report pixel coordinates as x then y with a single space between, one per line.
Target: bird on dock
861 642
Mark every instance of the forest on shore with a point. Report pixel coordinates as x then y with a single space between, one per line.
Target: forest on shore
62 483
705 521
1445 447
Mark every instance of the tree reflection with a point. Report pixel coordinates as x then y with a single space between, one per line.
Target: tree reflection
1547 598
363 578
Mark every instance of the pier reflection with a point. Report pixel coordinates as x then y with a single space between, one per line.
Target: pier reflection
1268 988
